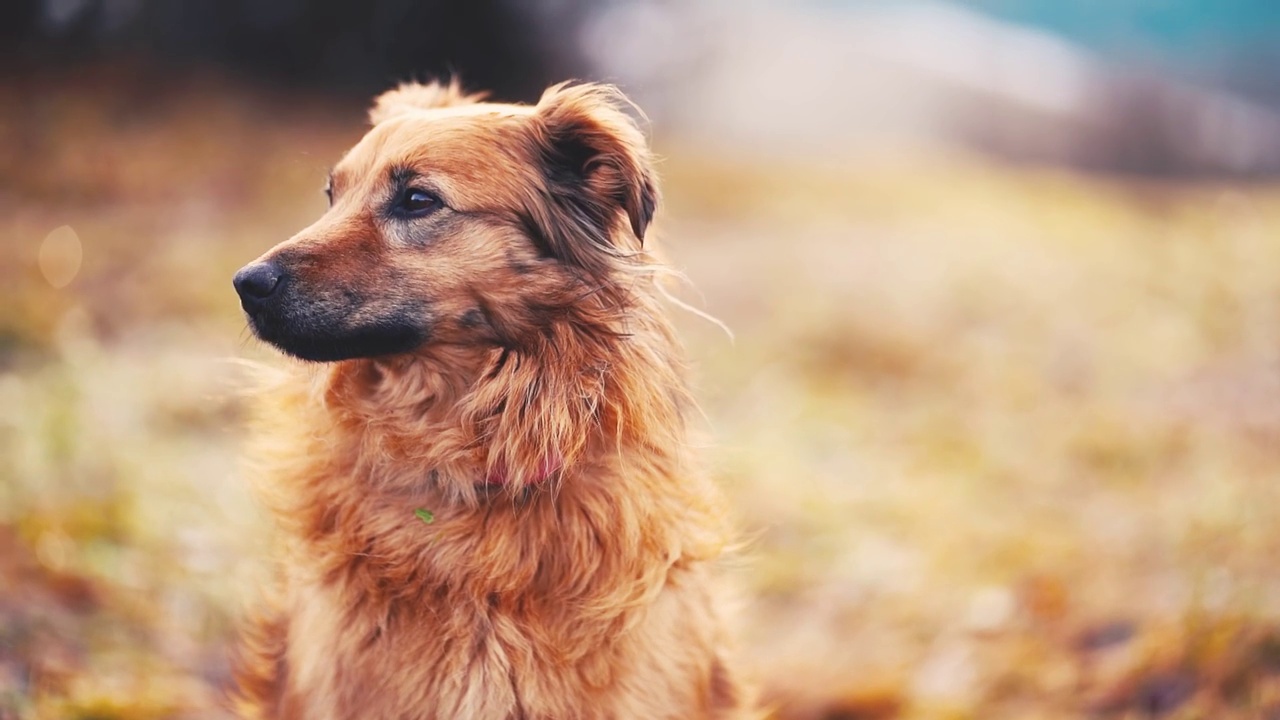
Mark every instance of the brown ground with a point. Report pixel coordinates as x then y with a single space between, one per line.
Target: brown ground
1005 443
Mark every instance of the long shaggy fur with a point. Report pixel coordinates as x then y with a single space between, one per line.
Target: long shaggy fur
580 586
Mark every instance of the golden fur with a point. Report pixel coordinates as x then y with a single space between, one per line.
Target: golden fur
578 584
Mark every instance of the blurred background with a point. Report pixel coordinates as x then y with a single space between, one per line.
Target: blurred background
1001 421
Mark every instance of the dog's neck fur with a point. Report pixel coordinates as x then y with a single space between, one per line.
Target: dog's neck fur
608 403
565 394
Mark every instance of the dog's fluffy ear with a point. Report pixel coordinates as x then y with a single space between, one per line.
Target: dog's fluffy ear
597 169
420 96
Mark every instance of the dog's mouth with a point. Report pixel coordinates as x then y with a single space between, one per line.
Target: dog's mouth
320 343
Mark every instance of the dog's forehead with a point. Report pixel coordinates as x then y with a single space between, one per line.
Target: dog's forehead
434 136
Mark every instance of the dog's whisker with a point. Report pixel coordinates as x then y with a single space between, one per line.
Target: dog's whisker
699 313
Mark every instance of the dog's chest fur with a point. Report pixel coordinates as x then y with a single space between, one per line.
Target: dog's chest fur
595 594
532 609
451 649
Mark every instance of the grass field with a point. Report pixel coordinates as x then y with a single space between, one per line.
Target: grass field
1004 443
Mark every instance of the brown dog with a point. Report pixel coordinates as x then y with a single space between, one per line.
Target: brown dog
489 505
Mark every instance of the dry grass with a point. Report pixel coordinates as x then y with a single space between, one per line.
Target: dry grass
1005 442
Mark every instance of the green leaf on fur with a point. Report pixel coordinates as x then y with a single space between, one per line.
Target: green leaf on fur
425 516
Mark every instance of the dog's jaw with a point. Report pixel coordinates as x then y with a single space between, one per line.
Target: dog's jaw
324 342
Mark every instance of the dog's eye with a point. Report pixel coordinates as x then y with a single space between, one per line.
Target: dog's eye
416 201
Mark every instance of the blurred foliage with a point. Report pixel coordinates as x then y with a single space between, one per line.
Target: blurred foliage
1003 441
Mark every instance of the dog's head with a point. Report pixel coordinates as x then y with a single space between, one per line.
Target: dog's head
456 221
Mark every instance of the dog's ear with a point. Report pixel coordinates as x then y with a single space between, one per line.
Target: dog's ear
597 169
420 96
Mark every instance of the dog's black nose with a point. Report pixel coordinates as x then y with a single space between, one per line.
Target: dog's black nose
256 282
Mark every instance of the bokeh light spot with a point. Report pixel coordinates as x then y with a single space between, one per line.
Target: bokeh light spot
60 256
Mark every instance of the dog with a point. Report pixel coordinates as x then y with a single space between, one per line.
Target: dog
482 472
